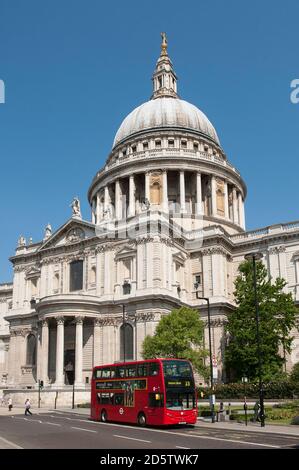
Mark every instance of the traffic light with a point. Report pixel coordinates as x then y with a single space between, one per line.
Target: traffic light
41 383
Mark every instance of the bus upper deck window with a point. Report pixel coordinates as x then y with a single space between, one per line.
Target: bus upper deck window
154 368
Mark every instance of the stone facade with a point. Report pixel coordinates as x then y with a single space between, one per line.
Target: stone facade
167 212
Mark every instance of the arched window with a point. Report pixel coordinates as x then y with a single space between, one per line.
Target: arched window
93 275
126 338
56 282
31 350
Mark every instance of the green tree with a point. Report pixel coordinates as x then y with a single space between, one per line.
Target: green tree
294 376
277 316
180 335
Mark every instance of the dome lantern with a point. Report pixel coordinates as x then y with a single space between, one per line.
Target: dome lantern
164 77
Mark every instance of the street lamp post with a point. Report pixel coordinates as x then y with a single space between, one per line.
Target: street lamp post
244 380
73 396
256 257
124 333
210 352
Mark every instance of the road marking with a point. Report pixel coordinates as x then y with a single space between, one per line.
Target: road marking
12 444
184 435
233 440
82 429
52 424
131 438
180 447
33 420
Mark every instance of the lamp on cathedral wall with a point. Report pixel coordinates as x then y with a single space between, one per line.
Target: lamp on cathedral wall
212 398
253 257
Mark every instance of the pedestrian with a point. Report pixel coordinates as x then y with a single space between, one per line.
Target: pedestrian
256 408
27 407
2 400
9 404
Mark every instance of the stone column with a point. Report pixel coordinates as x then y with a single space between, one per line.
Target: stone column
296 261
235 206
213 196
199 208
131 196
79 352
182 192
106 198
165 191
240 204
98 210
59 382
97 346
147 186
241 211
45 352
117 203
93 210
226 208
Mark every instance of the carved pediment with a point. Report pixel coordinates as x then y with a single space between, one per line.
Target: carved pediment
32 272
74 231
125 252
179 257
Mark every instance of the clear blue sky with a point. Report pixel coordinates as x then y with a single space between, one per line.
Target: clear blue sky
74 69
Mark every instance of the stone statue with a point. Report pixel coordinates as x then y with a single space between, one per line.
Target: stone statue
22 241
76 208
48 232
107 213
145 205
164 43
30 241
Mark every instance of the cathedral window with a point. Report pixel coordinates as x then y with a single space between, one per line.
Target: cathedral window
126 339
126 288
76 275
93 274
145 145
171 143
158 144
134 148
33 288
56 283
197 280
195 146
31 350
184 144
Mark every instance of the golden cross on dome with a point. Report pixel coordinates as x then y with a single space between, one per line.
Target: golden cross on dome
164 44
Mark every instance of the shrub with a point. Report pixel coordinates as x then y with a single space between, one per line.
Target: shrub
295 420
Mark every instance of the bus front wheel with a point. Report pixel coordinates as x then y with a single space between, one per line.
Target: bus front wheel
104 416
141 419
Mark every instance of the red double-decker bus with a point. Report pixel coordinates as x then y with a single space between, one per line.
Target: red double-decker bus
154 392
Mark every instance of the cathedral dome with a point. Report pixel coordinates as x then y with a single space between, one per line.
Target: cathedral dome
165 112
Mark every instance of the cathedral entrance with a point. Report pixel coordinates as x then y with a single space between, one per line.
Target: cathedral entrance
69 368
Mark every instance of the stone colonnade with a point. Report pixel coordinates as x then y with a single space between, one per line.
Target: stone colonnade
108 202
106 346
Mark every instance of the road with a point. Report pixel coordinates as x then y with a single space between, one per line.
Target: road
59 430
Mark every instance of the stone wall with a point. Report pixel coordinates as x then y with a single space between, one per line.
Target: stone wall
48 397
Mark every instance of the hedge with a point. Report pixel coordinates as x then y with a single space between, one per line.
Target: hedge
272 390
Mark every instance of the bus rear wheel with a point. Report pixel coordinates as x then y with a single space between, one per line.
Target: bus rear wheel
141 420
104 416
